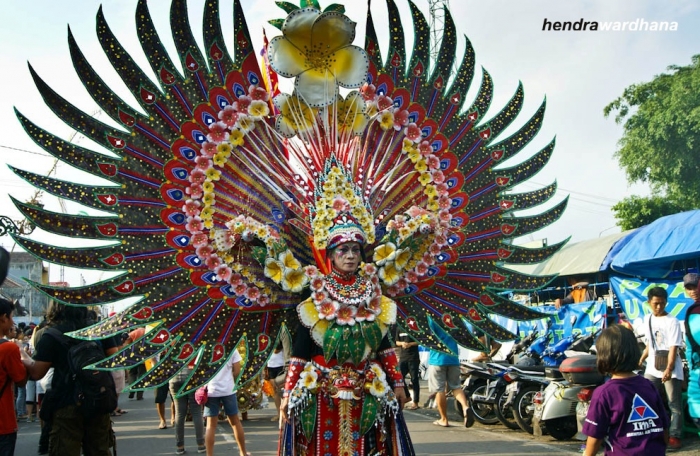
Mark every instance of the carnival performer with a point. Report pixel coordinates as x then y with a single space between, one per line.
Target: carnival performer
340 386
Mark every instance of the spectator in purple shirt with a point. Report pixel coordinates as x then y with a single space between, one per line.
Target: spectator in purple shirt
626 413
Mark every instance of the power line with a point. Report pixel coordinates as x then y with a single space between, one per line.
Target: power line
25 150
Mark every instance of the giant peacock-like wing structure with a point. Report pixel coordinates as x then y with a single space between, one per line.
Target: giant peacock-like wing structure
222 191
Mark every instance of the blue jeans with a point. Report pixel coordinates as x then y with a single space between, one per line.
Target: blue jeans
674 391
211 408
21 402
181 405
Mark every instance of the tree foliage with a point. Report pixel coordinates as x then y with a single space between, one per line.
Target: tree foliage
636 211
661 142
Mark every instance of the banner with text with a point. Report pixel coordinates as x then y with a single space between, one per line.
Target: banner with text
632 295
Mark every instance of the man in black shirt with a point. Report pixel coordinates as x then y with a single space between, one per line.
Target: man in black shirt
70 430
409 363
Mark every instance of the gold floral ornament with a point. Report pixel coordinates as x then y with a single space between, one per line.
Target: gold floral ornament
350 114
316 49
295 115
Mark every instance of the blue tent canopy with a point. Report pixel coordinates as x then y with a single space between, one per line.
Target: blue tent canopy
655 248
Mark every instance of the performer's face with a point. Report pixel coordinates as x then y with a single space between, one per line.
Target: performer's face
692 292
346 257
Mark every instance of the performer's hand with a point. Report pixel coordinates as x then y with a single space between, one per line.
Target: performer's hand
400 397
283 408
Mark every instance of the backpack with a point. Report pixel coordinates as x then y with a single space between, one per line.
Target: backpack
93 391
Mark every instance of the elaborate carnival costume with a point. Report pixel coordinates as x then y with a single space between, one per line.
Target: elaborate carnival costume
225 194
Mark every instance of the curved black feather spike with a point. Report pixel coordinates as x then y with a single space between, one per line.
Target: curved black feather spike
72 116
243 45
82 194
65 255
395 64
484 97
129 72
102 292
205 369
416 321
457 92
214 43
507 115
79 157
134 354
480 320
64 224
107 327
492 302
185 43
159 374
527 200
151 44
420 56
466 339
509 279
371 42
105 98
525 170
518 140
525 225
523 255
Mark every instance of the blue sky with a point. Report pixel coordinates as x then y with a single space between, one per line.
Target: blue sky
578 72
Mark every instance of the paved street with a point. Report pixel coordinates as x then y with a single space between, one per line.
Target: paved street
137 435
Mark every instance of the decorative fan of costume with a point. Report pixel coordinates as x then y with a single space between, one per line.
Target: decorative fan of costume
225 191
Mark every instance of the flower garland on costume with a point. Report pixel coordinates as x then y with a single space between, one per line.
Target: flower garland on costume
403 259
347 304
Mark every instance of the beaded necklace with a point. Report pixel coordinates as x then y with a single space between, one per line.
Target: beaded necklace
348 289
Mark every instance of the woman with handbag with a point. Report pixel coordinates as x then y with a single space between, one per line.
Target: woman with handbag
664 367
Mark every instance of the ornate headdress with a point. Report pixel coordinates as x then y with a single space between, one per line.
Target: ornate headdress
225 188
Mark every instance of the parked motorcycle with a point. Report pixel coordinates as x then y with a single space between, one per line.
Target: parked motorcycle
555 408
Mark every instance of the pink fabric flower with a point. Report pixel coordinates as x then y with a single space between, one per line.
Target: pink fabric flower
392 290
374 279
208 149
363 314
236 279
203 163
346 315
441 240
442 189
400 119
194 225
422 267
444 216
195 191
191 208
199 239
369 92
384 102
229 116
257 93
243 103
413 133
311 271
433 162
370 269
316 284
415 211
319 296
340 204
402 283
375 304
197 176
327 310
411 277
240 289
428 260
204 251
438 176
252 293
434 249
263 300
223 272
217 132
445 202
213 262
425 148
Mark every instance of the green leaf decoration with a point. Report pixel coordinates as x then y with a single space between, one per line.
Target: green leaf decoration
308 417
335 7
357 344
344 348
372 334
260 254
369 413
277 23
331 340
310 4
287 7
